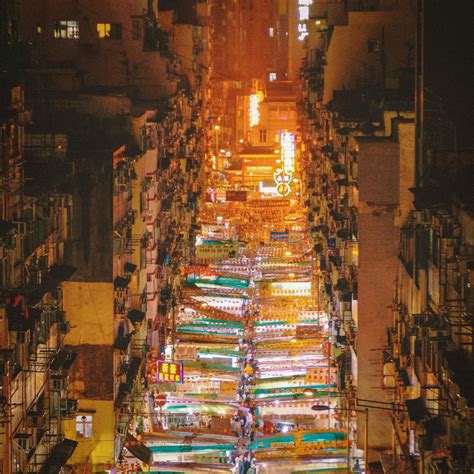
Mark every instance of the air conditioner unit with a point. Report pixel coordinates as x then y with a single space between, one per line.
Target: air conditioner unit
68 408
21 227
58 383
24 441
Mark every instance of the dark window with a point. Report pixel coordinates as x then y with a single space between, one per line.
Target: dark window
136 30
373 45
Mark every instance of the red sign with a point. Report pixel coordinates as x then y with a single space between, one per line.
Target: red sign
308 331
169 371
240 196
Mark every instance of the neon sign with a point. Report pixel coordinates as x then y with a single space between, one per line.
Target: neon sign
287 142
303 16
283 179
169 371
254 109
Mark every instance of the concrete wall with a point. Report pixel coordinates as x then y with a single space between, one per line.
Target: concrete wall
378 252
380 184
100 448
90 309
89 60
378 173
91 247
350 64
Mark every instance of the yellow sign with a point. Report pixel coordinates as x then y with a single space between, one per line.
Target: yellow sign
170 371
217 251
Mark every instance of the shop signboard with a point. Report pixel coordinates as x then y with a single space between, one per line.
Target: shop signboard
228 388
236 196
169 371
295 236
217 251
308 331
279 236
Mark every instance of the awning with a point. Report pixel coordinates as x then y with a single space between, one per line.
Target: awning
136 316
405 377
63 360
129 267
416 409
122 393
435 426
59 456
121 283
133 369
138 449
56 275
6 227
122 342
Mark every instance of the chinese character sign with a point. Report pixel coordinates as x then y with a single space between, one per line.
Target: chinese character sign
287 143
303 16
254 109
169 371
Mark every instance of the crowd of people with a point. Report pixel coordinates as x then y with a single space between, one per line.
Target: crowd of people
244 424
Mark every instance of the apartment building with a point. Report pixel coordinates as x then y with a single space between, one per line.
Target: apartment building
113 174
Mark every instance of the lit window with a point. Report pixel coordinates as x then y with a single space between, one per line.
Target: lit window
272 76
271 32
66 29
84 426
109 30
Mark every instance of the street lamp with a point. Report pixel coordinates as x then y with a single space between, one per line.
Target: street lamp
365 411
217 128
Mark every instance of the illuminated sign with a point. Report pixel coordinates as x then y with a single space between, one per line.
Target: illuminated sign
254 109
303 16
169 371
283 189
287 142
282 180
217 251
282 176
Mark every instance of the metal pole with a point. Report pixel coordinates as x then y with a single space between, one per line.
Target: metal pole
366 440
348 429
329 381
